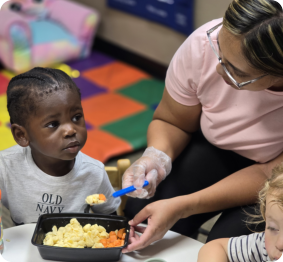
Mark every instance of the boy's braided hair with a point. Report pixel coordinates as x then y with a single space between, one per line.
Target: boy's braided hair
27 89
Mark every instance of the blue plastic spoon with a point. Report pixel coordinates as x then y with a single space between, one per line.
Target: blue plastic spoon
127 190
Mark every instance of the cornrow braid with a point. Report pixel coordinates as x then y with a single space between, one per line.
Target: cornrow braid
50 71
19 77
27 89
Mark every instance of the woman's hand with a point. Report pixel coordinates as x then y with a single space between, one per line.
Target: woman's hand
161 215
168 134
154 166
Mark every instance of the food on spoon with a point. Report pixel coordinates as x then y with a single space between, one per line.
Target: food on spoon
102 197
95 199
74 235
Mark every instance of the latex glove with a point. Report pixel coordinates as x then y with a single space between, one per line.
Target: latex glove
154 165
161 215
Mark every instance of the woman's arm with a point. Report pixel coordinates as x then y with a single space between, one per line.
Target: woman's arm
172 126
214 251
168 134
238 189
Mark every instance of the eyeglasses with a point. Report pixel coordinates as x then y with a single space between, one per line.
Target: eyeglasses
239 85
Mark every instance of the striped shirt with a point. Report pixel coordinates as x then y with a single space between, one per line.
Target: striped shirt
250 248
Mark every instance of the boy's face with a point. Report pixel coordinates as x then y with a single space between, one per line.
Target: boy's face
57 129
274 229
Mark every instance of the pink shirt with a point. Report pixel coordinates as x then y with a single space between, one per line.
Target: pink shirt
247 122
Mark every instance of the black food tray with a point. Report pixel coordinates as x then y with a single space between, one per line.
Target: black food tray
109 222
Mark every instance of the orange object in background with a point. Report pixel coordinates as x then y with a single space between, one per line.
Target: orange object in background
102 145
115 75
109 107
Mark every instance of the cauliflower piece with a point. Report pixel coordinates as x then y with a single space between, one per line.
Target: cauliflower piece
94 233
49 242
93 227
98 245
101 229
89 242
74 221
104 235
86 228
54 230
82 243
96 240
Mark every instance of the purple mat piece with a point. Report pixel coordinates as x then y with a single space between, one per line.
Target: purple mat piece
88 88
89 126
94 60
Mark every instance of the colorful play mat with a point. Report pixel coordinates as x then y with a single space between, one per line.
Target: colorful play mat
118 102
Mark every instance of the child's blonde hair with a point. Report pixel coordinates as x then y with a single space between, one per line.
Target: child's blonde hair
273 186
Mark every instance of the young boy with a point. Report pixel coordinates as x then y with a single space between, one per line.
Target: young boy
46 172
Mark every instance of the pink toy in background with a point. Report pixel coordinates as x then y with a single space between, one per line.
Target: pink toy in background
32 9
45 32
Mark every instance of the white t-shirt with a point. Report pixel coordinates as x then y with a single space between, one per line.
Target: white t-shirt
28 192
250 248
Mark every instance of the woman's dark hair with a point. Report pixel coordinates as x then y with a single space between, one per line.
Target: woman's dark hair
27 89
260 25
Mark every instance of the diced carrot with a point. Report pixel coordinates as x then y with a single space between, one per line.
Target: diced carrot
112 233
113 238
102 197
117 243
121 232
103 242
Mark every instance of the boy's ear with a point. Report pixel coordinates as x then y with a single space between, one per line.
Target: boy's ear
20 135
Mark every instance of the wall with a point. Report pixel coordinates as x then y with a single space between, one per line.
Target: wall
146 38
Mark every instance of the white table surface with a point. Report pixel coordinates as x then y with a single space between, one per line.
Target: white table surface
172 248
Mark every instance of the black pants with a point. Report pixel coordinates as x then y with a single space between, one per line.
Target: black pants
199 166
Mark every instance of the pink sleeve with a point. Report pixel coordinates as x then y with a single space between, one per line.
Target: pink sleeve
185 69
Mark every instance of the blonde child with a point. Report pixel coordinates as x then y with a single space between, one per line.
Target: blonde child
257 247
46 172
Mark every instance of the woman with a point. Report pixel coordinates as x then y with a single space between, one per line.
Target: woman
239 108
